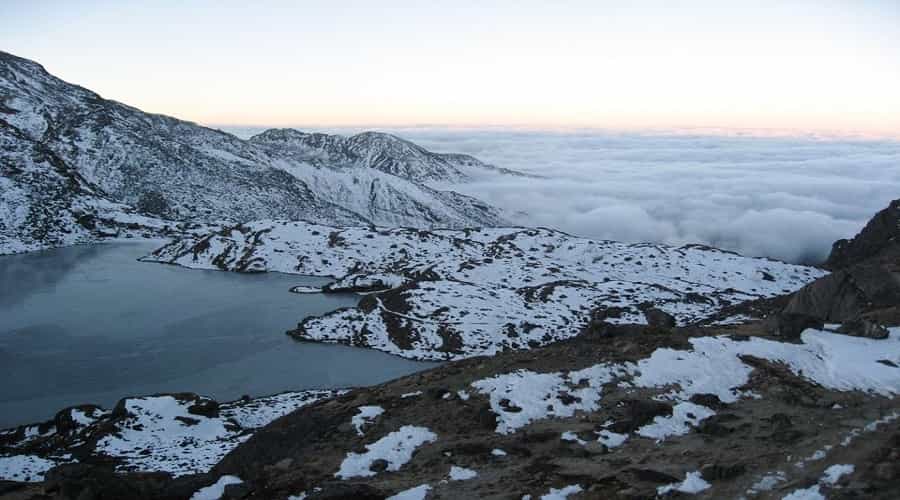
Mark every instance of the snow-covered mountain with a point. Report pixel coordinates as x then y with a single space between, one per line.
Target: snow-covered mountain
176 170
45 202
384 152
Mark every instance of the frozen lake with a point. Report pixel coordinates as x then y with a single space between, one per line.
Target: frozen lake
91 324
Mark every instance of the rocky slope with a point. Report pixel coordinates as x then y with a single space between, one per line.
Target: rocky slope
633 416
176 170
45 202
725 412
448 294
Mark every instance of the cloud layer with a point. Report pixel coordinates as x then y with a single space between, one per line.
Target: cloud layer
782 197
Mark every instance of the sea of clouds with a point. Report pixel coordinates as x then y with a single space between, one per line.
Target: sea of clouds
785 197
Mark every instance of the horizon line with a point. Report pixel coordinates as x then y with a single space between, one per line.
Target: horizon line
701 130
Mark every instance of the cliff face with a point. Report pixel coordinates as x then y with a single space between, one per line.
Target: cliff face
881 234
865 282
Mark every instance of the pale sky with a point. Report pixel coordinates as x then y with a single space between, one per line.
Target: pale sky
823 64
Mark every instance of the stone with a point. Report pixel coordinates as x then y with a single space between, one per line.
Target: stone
639 413
885 471
722 472
659 318
379 465
790 325
862 327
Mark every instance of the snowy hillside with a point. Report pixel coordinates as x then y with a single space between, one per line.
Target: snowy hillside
44 202
449 294
176 170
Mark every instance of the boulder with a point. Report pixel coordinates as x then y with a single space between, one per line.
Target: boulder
659 318
639 412
863 327
790 325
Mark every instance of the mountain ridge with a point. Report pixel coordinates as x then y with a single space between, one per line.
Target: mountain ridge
178 171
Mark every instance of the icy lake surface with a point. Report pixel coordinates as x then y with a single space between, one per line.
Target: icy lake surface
91 324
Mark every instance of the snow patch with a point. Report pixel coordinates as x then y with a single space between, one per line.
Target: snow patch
366 415
693 483
461 473
396 448
217 489
562 493
684 417
834 473
417 493
26 468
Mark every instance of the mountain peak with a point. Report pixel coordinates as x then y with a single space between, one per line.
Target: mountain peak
59 137
380 151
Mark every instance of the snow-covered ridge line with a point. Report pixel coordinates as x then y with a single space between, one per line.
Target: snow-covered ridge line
450 294
379 151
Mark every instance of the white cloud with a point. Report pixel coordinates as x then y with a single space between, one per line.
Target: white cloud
785 197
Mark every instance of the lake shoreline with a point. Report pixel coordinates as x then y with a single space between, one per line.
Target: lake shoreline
220 334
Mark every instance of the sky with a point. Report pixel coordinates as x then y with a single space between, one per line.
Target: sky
793 65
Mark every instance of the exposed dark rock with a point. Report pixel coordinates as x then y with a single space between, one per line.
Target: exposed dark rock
65 423
347 491
639 412
707 400
862 327
659 318
790 325
379 465
881 232
97 482
653 476
153 203
236 491
865 282
720 472
849 293
13 488
204 407
715 425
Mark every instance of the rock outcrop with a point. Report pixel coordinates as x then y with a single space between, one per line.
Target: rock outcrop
880 234
865 282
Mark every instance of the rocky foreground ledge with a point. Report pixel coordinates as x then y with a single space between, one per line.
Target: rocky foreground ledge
722 412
